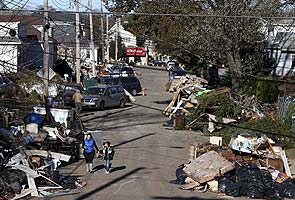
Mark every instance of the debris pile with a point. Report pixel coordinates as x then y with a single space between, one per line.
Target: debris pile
208 110
31 151
251 166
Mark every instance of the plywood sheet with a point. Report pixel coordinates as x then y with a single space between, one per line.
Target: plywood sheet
208 166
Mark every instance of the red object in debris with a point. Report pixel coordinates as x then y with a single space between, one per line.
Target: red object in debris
135 51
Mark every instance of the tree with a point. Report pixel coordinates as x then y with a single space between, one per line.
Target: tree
121 49
221 32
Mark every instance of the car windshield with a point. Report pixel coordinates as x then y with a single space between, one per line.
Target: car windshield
176 68
95 91
73 88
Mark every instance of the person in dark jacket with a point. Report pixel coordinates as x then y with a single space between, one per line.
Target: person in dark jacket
107 155
90 149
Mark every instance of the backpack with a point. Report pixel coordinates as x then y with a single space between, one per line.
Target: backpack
111 155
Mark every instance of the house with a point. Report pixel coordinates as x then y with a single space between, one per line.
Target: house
64 32
281 39
8 48
129 41
25 48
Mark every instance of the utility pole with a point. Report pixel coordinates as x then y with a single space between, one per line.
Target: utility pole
107 39
102 37
116 39
46 48
77 42
91 38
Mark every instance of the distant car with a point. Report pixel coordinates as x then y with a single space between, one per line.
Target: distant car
177 71
123 71
104 96
159 63
150 63
67 91
171 64
131 84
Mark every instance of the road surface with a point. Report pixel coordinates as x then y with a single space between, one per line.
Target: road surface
147 153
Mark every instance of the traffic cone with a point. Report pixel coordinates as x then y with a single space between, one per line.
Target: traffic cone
144 92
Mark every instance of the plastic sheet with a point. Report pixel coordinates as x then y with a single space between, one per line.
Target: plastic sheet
33 118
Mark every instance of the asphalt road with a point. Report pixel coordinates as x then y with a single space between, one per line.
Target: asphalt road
147 153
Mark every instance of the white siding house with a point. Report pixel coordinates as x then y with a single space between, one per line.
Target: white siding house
129 40
8 47
281 39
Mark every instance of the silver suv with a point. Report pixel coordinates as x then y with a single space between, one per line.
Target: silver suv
104 96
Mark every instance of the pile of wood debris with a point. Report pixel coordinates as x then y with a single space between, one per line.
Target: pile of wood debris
251 166
32 149
200 107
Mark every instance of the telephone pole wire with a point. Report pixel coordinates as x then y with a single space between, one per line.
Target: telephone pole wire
102 37
107 40
91 38
78 67
46 48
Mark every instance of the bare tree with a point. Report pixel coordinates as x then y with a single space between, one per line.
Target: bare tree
221 32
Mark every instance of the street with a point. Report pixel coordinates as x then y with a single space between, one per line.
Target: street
147 153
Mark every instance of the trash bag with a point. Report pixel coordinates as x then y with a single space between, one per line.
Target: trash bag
180 175
12 180
256 183
286 189
34 118
229 187
4 134
270 190
256 190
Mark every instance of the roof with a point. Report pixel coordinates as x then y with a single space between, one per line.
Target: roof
10 40
29 19
66 34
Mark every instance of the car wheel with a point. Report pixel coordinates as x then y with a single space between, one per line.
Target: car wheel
101 105
134 92
122 103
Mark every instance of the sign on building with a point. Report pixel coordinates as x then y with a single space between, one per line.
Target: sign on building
135 51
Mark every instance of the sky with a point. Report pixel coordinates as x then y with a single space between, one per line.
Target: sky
58 4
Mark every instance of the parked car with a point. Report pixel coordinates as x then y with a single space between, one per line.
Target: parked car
104 96
171 64
131 84
67 91
177 71
124 71
159 63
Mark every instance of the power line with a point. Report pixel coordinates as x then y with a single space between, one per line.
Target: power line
280 16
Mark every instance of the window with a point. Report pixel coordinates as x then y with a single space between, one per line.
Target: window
88 54
95 91
113 90
108 92
120 89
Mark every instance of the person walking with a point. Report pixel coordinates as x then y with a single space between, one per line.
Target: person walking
77 98
107 155
90 149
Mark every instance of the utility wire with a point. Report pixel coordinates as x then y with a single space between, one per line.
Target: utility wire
279 16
